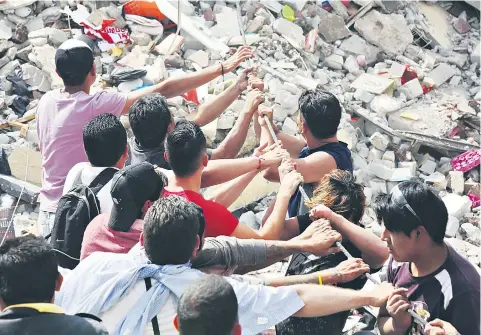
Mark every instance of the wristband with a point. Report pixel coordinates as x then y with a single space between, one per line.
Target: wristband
320 279
222 71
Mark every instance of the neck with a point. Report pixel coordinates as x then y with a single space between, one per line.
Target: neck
313 142
75 89
191 183
429 260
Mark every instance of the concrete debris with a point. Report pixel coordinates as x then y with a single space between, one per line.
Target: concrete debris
412 89
441 74
389 32
333 28
371 83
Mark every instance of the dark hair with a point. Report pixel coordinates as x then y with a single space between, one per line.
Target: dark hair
105 140
208 307
170 229
28 271
321 111
339 191
184 147
149 119
426 204
74 64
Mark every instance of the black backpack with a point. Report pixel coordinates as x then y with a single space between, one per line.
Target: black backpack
75 210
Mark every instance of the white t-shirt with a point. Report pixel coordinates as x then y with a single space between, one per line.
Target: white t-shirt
88 174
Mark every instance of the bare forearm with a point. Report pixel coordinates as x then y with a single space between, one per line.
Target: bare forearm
223 170
386 327
272 229
230 191
231 145
211 109
175 86
320 300
329 277
374 250
291 143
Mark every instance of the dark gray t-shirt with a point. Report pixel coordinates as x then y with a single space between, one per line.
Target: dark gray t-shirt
451 293
138 154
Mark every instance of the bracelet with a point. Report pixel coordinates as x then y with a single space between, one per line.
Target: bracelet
222 71
320 279
260 163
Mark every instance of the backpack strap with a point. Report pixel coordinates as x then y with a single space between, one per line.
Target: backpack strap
102 179
155 322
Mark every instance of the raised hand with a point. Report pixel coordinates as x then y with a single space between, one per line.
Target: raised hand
318 238
236 59
290 182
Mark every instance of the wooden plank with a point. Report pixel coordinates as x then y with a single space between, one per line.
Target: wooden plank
17 121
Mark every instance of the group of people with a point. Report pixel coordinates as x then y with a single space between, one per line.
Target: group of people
162 258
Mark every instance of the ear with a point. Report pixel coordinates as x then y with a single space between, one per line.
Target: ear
176 322
58 282
171 126
165 157
93 70
141 239
237 330
147 205
197 246
205 160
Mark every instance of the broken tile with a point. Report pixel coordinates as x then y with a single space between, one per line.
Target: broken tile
333 28
372 83
442 73
412 89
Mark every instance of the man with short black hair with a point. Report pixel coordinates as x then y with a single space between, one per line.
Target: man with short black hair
62 113
318 151
441 283
208 307
105 144
135 295
133 190
186 153
29 278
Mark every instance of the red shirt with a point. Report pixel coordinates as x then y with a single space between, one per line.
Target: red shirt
218 219
99 237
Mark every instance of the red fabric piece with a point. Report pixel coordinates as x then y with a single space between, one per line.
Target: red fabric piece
408 75
146 8
426 89
218 219
466 161
109 34
191 96
99 237
475 200
454 132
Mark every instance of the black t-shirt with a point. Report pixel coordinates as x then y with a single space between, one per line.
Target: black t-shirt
305 263
29 321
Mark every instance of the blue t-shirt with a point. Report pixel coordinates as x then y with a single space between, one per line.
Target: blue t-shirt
341 154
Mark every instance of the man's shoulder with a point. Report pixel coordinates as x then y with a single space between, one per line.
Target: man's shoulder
463 274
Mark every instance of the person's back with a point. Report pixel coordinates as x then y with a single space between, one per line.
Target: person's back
28 280
208 307
61 116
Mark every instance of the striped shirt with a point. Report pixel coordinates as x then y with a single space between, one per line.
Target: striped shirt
451 293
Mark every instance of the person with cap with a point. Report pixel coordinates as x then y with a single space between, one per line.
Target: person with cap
440 282
133 191
62 113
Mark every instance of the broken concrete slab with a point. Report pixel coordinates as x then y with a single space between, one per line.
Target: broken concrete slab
36 78
372 83
456 181
170 44
227 24
289 29
389 32
437 28
333 28
442 73
200 57
18 160
334 62
44 57
457 205
412 89
356 45
379 141
14 187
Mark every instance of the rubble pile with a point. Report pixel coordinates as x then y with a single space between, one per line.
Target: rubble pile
406 73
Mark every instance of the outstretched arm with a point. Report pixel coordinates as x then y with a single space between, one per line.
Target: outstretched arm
175 86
